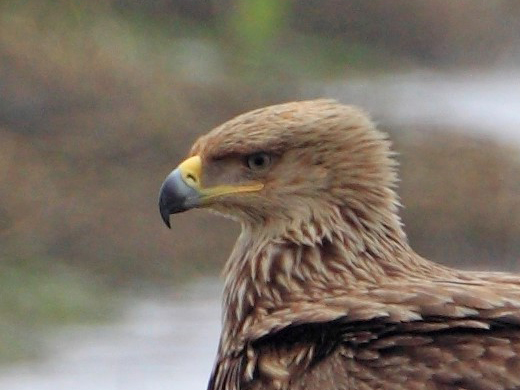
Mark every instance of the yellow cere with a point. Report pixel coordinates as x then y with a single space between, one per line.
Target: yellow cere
191 171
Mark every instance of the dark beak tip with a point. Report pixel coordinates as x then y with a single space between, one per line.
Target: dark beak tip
167 222
165 214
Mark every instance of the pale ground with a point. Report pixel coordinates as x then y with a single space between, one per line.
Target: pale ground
169 342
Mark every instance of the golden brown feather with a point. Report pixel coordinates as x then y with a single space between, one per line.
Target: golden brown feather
322 290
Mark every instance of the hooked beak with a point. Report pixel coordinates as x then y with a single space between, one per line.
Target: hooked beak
182 189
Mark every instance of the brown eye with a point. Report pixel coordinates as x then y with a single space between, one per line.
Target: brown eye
258 161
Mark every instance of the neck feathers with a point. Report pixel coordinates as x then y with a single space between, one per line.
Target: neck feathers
263 276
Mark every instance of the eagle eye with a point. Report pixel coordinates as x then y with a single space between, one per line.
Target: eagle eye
258 161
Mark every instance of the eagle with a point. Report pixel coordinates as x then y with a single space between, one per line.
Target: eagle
322 289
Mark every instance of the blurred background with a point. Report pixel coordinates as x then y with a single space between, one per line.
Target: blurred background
100 99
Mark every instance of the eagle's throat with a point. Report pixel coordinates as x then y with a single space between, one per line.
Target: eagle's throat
264 276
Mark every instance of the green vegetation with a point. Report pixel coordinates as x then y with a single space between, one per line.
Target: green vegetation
35 295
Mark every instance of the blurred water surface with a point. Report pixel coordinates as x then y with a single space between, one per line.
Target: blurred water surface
484 102
167 342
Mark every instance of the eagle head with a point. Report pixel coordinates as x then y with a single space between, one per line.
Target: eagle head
308 166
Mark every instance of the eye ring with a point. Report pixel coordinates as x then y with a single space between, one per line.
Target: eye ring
258 161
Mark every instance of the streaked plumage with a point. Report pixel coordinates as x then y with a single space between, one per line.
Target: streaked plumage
322 290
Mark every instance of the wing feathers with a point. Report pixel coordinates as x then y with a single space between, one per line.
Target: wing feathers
455 340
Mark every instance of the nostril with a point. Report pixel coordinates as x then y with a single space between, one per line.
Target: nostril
191 177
